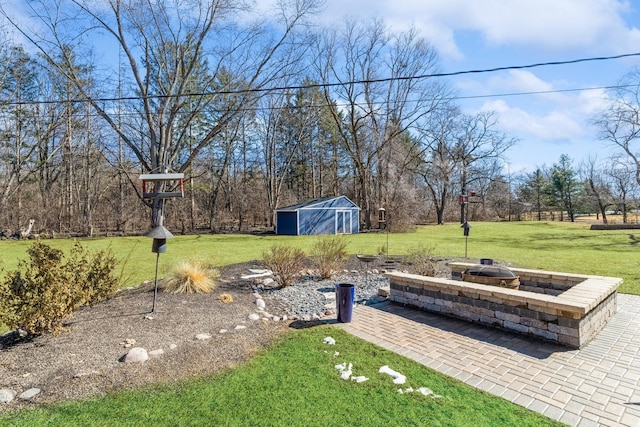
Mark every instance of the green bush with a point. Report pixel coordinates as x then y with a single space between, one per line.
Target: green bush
285 262
329 254
49 287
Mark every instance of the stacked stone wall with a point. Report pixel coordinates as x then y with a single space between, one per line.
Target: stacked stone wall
551 314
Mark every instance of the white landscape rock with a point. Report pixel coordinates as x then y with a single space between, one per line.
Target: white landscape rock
6 395
29 394
260 303
156 352
239 327
256 274
426 391
346 374
254 316
173 346
268 281
398 378
136 355
203 337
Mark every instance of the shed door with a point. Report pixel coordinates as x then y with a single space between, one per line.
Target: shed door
343 222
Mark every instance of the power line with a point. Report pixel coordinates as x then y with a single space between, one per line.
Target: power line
326 104
542 92
355 82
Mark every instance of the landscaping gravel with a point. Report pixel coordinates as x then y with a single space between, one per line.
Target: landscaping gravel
310 296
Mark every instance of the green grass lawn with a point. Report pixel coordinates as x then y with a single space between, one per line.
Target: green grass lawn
295 383
556 246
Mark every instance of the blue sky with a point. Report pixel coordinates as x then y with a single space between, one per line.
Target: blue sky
480 34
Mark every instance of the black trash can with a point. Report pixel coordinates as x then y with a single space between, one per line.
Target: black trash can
345 296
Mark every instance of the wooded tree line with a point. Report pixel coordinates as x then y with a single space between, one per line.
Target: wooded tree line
257 111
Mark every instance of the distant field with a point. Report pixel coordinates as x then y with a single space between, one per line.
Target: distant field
557 246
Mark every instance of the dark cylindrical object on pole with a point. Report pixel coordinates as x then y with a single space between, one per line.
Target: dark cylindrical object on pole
345 296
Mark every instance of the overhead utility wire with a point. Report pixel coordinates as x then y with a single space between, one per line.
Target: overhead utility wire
324 104
449 74
325 85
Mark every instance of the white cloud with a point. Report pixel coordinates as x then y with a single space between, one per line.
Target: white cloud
553 126
554 25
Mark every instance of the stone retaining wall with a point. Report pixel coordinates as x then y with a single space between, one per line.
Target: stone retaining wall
569 309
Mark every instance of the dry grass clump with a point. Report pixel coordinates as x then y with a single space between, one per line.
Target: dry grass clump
225 298
192 277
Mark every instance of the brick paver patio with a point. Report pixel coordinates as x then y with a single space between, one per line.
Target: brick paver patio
596 385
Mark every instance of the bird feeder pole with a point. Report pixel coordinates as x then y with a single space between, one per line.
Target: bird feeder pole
160 234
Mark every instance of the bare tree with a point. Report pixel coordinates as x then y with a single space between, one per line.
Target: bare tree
619 122
373 81
436 163
598 189
171 47
623 184
478 151
461 152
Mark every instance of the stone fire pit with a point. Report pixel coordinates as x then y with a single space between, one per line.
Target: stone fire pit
491 275
569 309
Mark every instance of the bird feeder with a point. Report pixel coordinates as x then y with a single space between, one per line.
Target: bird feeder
382 217
174 181
465 228
165 186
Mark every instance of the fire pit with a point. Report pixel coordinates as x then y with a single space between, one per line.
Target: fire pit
491 275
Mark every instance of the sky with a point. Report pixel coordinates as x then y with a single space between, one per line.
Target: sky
482 34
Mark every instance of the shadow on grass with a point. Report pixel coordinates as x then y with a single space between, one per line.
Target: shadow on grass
306 324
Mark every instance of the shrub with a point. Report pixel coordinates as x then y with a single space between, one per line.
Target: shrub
422 260
285 262
329 253
192 277
225 298
382 250
47 289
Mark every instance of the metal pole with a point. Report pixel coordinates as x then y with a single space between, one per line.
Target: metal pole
155 290
466 239
388 225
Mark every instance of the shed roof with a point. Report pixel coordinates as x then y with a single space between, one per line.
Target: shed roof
312 203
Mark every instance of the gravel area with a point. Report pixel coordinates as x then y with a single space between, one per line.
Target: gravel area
311 296
86 360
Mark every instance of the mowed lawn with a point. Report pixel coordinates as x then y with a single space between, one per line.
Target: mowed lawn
555 246
294 383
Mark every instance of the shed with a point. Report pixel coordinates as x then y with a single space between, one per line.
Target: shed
325 215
